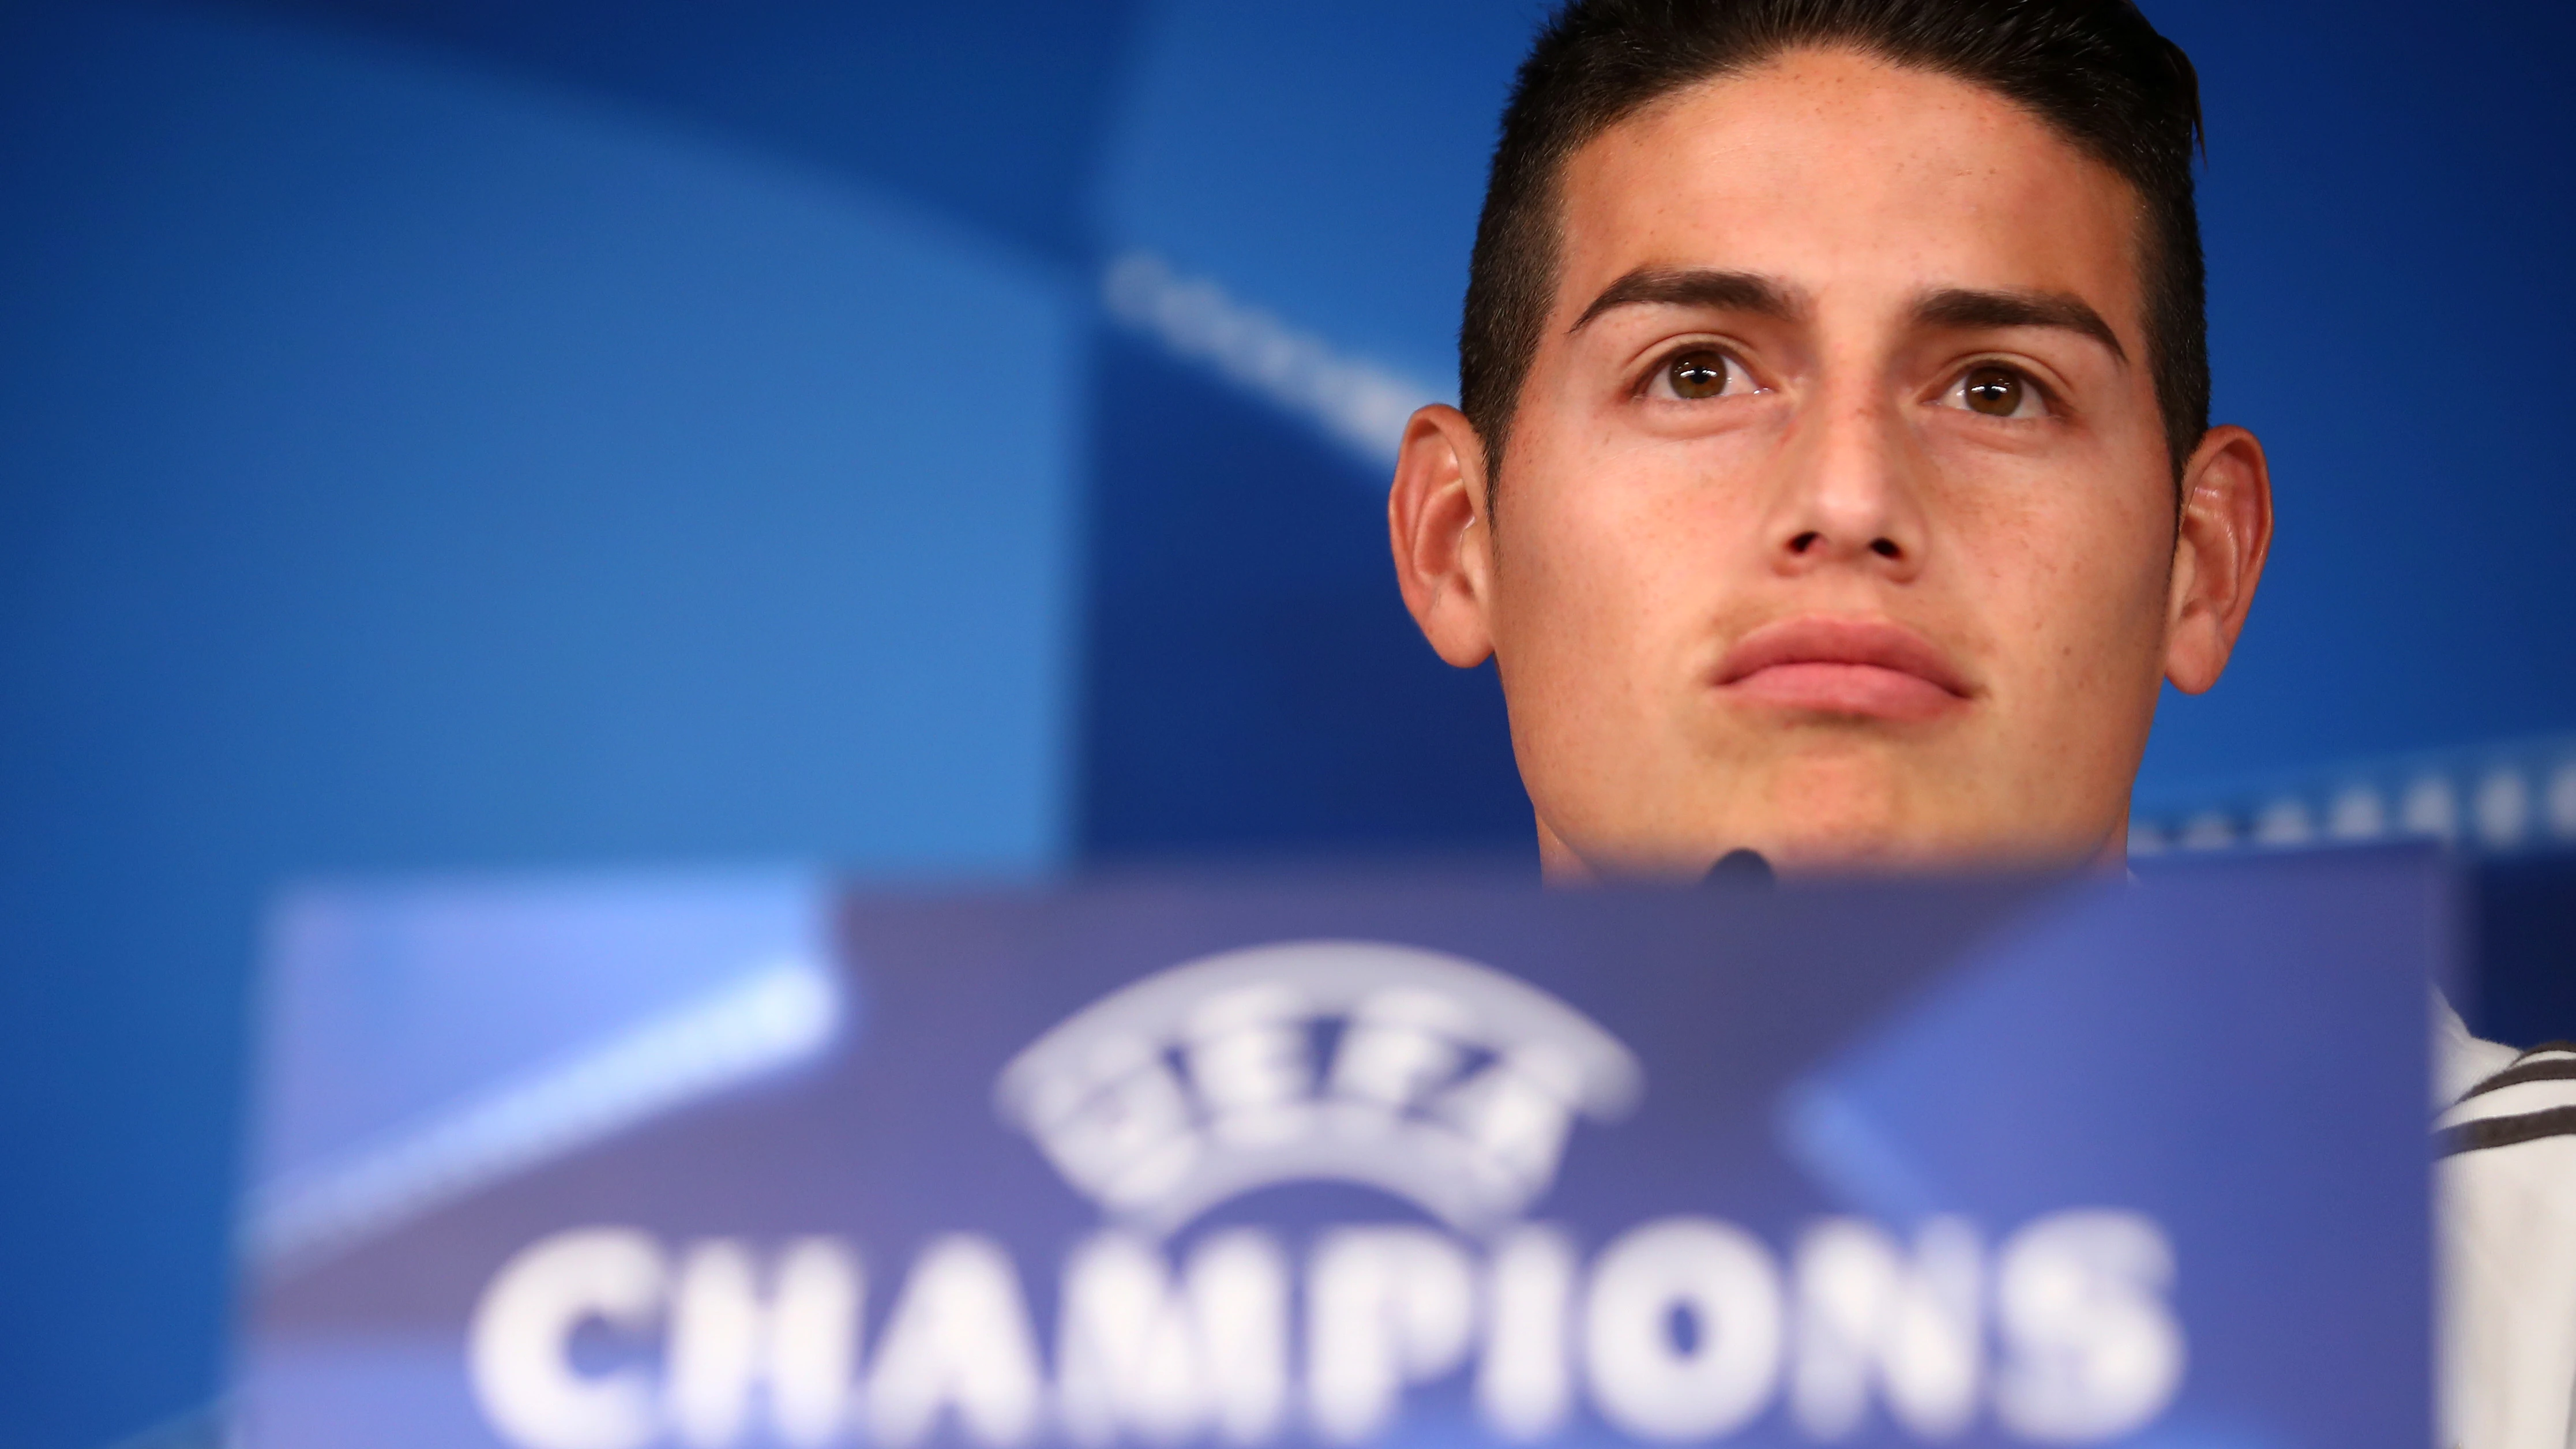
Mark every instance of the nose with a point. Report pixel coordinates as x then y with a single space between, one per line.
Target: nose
1850 496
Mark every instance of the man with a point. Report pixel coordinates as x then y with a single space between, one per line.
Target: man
1833 480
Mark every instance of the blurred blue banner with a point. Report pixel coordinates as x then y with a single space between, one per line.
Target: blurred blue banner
1432 1161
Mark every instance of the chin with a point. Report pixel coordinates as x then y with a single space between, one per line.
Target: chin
1855 846
1858 844
1868 821
1850 812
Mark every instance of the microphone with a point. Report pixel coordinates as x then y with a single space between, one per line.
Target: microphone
1739 868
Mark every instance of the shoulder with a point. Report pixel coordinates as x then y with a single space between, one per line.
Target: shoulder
2532 1098
2507 1221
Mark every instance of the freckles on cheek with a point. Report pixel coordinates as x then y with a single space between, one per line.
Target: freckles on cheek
2067 600
1603 521
1571 590
2105 613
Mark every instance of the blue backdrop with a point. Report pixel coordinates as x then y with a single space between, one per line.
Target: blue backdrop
948 441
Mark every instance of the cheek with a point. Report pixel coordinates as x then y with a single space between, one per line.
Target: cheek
1564 582
1609 557
2086 591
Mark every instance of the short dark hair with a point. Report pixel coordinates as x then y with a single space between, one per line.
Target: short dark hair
2093 70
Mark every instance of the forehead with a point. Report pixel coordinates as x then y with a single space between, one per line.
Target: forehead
1844 175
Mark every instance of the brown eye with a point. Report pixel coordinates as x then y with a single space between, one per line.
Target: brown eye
1698 374
1995 391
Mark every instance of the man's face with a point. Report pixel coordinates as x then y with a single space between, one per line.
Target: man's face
1837 520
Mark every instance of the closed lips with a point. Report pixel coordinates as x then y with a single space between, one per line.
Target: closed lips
1843 667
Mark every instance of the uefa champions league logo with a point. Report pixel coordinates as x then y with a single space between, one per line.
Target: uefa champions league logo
1434 1079
1442 1083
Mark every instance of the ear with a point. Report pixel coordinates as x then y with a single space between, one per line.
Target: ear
2218 555
1438 524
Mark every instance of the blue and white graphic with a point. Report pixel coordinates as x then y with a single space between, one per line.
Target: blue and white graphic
1204 1083
1431 1162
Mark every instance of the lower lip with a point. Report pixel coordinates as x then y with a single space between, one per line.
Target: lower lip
1846 689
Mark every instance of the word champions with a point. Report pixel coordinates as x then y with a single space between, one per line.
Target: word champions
1439 1082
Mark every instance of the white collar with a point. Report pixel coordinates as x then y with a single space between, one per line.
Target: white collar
2461 1061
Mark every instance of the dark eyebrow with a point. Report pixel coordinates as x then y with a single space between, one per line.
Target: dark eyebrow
1964 308
1729 291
